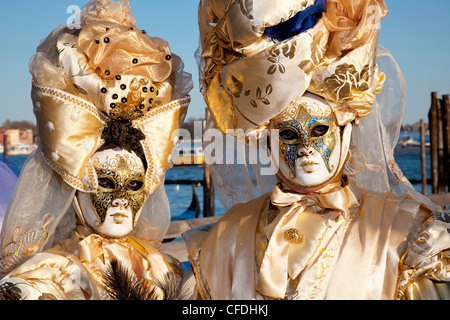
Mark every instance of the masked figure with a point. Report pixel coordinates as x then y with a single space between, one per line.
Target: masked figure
89 211
340 220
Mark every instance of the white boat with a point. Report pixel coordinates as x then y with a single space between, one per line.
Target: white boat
409 142
21 149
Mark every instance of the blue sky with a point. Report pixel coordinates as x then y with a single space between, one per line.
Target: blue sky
416 32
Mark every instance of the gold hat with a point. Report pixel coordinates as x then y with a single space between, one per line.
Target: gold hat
250 76
106 70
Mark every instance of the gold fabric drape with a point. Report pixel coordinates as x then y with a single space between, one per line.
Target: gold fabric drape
347 254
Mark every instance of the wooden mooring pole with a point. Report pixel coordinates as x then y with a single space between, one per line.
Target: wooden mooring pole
439 140
423 157
445 111
208 186
433 125
5 147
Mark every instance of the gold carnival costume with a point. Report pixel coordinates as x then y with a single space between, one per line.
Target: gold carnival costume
107 99
364 233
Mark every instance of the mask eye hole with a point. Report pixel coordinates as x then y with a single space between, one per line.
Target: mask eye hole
134 185
289 135
106 183
319 131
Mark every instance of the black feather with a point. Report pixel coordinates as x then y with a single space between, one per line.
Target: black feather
122 284
10 292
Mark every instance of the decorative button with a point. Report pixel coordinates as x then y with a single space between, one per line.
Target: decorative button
294 236
75 117
55 156
50 126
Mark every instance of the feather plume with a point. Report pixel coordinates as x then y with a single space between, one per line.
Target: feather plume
10 292
122 284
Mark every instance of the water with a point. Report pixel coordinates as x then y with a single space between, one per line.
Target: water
180 196
409 161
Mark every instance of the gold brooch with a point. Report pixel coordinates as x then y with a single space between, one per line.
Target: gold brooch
294 236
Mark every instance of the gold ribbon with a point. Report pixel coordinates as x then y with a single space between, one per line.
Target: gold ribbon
69 131
299 211
96 253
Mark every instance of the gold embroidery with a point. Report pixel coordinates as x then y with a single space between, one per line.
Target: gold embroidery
345 83
356 161
113 163
23 245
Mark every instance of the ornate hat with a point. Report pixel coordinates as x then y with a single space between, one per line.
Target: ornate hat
259 55
109 71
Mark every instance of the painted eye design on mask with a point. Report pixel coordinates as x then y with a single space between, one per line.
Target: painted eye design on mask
289 135
134 185
106 183
319 131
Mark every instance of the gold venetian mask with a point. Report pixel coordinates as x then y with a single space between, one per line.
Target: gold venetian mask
115 208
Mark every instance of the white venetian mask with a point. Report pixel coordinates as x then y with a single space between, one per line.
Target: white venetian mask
114 209
309 144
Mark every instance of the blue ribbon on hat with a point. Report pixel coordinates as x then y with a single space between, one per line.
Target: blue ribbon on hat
299 23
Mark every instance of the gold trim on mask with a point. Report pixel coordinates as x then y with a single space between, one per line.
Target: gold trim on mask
302 119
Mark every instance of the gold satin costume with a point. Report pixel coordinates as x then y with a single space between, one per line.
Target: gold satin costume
75 270
383 241
85 77
356 245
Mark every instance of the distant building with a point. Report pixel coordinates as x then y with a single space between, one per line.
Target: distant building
16 136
